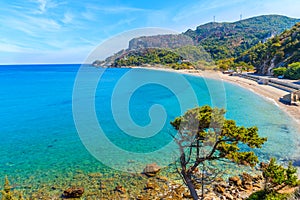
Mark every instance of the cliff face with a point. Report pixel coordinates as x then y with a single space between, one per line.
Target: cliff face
160 41
279 51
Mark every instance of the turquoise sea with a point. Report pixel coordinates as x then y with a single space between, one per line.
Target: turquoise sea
39 142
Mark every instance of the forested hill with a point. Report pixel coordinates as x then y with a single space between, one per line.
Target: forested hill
212 40
279 51
223 40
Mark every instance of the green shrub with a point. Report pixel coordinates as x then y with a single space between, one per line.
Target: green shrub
279 71
262 195
293 71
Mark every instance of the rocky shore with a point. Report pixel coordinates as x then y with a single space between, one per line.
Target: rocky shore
152 183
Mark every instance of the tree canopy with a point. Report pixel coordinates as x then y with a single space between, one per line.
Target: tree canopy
204 134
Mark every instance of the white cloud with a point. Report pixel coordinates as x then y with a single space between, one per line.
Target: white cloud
114 9
126 21
68 55
289 8
34 26
202 8
68 18
42 5
88 15
8 45
5 47
45 5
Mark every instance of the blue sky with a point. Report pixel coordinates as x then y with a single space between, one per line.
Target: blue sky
65 31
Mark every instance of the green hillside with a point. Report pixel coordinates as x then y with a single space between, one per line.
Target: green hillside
209 42
279 51
224 40
152 56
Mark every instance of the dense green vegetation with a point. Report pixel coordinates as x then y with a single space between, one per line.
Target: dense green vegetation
225 40
152 56
279 51
293 71
276 178
193 54
262 195
230 64
280 71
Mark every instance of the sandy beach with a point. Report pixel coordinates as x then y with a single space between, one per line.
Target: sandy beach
270 93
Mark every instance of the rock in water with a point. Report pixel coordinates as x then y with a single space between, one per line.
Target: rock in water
73 192
151 169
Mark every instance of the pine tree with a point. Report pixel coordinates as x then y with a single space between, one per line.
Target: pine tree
205 135
277 177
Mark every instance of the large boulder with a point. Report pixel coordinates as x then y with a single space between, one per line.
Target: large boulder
235 180
151 169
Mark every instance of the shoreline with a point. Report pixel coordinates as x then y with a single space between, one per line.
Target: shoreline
267 92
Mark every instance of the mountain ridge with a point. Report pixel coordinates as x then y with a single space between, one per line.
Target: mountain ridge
229 39
221 40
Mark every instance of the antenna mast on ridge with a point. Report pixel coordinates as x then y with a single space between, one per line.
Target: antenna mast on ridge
214 19
241 16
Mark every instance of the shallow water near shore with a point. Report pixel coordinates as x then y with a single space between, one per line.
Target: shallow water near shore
39 143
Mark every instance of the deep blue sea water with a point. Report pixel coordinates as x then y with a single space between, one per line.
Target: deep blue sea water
39 141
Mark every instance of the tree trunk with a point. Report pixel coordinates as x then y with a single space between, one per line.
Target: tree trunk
190 185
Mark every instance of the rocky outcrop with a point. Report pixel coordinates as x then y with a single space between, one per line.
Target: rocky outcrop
160 41
236 187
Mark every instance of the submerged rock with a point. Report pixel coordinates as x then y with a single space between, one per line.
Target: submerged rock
73 192
151 169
